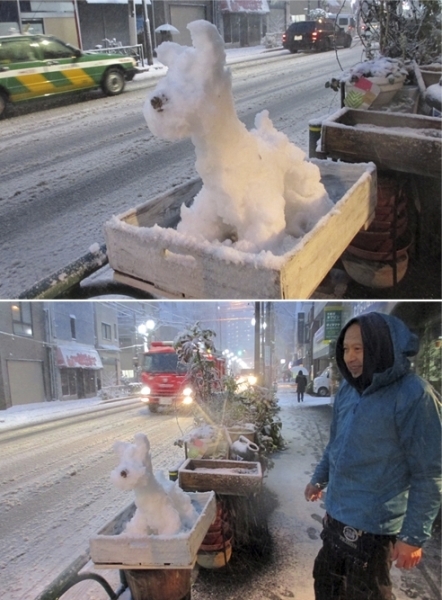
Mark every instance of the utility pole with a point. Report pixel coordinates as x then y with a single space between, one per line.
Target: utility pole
147 36
20 24
258 341
133 30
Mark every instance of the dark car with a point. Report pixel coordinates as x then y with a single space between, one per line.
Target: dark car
318 36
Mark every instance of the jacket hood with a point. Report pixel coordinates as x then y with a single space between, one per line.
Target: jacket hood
387 345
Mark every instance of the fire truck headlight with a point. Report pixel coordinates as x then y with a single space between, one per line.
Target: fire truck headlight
187 400
187 391
145 390
252 380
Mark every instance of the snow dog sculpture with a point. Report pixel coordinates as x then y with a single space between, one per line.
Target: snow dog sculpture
162 508
258 190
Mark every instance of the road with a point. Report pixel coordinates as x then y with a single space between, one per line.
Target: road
56 491
66 170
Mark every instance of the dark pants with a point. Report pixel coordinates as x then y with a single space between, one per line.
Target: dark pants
300 396
352 565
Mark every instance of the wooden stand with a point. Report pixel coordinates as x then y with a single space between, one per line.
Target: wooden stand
159 584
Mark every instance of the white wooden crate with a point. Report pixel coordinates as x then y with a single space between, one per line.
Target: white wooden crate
169 264
110 550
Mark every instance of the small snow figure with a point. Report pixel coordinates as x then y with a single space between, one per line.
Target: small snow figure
258 189
162 506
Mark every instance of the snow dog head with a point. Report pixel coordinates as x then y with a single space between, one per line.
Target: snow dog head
195 74
135 466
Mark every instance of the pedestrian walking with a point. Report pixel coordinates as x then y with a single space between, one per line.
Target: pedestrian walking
382 464
301 384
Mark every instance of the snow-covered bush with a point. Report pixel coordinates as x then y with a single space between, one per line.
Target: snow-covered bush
220 400
408 31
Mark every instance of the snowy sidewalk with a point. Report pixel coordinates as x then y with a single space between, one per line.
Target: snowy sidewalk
233 56
42 412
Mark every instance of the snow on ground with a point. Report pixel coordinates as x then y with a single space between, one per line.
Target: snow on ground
233 56
40 412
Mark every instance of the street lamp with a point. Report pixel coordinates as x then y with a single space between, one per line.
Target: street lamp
145 329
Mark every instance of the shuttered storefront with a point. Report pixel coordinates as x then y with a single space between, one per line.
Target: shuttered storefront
180 16
26 381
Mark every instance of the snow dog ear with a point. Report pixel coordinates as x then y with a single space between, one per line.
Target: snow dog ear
142 445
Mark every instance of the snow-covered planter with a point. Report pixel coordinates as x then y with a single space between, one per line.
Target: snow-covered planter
167 526
145 250
394 141
374 83
231 477
431 74
110 549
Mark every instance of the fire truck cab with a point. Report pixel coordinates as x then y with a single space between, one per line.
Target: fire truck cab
164 378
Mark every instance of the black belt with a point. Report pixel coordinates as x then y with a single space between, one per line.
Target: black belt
351 534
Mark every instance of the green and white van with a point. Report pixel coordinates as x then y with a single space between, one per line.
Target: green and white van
35 66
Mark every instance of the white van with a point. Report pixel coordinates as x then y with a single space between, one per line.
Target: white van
321 384
347 22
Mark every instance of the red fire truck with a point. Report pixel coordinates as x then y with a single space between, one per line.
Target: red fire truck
165 379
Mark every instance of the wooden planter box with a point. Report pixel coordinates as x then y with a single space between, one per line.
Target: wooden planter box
110 550
168 264
396 141
230 477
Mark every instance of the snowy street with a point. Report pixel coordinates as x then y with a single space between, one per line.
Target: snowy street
65 171
56 494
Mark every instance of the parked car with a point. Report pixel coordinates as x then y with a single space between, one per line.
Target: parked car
36 66
321 384
318 36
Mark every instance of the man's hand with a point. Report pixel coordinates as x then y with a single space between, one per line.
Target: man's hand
312 493
406 556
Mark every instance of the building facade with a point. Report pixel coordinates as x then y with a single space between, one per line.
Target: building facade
24 354
107 343
89 23
76 363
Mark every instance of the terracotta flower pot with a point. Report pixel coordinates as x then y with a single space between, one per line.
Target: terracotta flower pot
403 244
372 273
214 560
379 241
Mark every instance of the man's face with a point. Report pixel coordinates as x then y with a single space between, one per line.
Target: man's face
354 350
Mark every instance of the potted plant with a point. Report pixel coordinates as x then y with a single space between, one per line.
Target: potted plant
394 35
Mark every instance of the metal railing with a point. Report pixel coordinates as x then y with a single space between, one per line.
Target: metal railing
136 51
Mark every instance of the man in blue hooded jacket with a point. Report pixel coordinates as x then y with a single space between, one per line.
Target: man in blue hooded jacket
382 464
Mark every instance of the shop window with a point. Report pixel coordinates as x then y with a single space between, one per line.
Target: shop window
22 319
89 382
106 331
68 382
